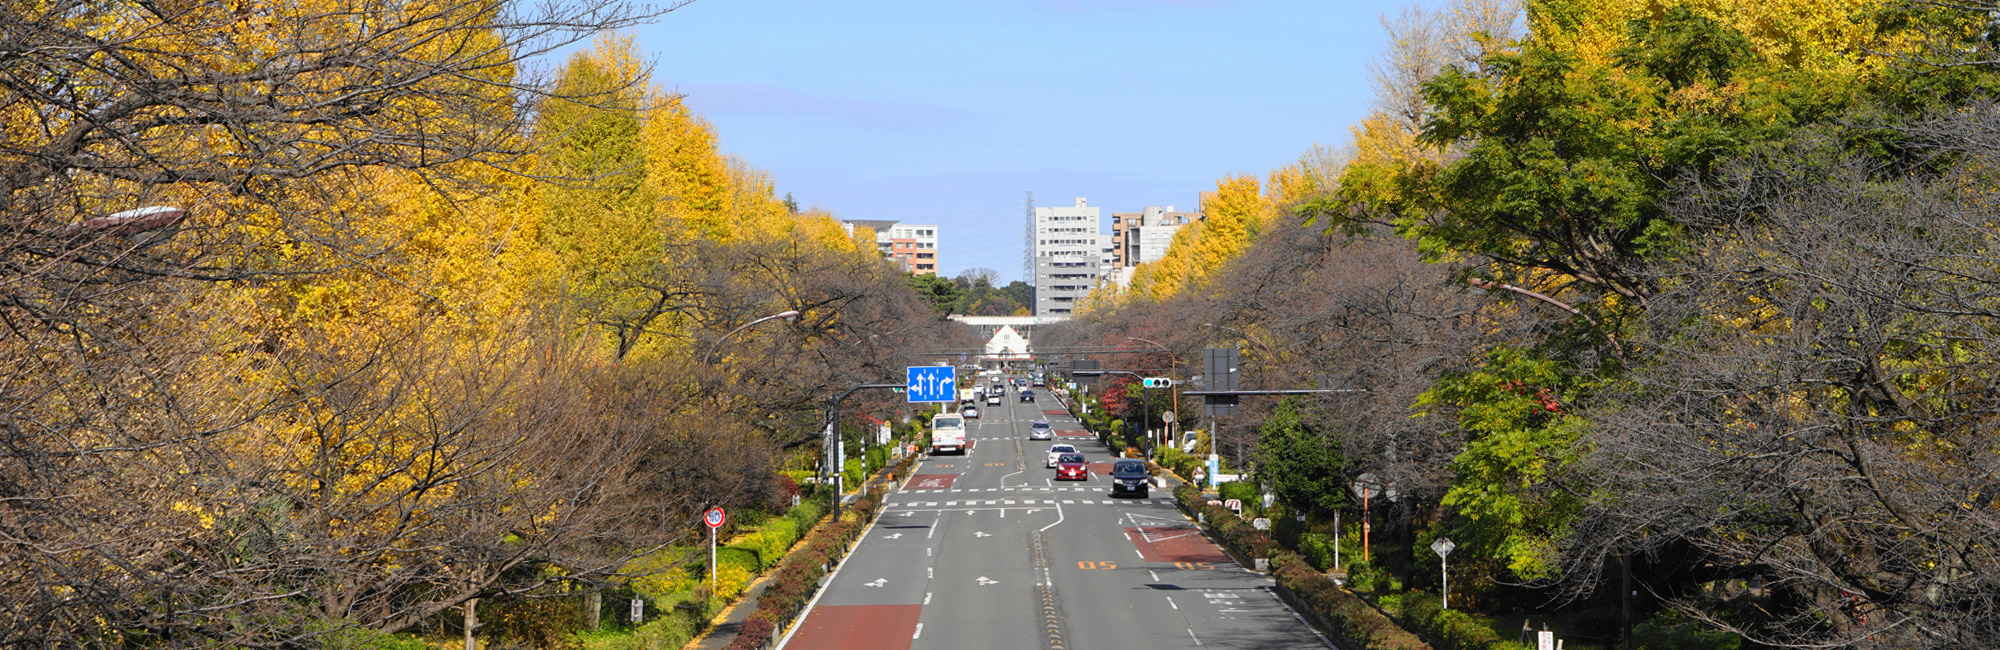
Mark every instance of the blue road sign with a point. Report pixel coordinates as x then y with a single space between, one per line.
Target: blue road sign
931 383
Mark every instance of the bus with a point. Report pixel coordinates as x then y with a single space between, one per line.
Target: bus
948 433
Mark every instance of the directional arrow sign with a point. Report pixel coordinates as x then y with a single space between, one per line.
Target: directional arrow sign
980 533
931 383
895 536
877 583
983 581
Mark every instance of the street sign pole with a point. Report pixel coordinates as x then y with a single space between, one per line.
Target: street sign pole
714 518
1443 548
1366 486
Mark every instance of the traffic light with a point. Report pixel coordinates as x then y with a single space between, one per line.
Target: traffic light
1157 382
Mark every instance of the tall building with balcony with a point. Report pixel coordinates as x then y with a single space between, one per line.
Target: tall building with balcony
912 248
1143 237
1072 255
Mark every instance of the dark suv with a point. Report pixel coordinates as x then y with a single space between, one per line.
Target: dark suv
1130 476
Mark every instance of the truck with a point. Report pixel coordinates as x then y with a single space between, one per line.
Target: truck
968 396
948 434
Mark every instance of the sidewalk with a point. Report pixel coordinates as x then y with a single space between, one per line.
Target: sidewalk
722 629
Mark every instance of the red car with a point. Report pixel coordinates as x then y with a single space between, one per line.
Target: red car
1070 467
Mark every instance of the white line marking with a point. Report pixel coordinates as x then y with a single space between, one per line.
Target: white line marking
1155 574
1142 556
1170 601
1128 536
1059 519
1197 640
928 572
920 628
927 601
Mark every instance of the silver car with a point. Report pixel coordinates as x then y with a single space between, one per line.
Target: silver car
1041 431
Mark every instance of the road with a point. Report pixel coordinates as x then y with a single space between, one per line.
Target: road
988 551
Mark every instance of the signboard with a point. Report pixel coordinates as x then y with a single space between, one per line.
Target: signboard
1442 547
714 517
930 383
1367 486
1545 640
638 610
1260 523
1233 504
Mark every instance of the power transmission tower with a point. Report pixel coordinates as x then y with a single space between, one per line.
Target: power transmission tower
1028 244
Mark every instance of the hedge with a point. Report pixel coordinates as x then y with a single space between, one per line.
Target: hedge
798 577
1334 610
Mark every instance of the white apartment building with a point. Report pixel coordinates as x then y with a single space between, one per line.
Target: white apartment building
1072 255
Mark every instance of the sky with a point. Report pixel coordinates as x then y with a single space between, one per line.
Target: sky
950 112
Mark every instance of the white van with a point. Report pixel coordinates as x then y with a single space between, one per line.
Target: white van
948 434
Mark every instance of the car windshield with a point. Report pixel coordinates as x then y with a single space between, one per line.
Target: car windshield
1129 467
1061 449
1040 425
1070 458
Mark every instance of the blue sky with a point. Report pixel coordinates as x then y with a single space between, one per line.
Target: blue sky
949 111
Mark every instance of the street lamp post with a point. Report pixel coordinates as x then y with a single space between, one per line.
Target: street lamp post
788 314
833 438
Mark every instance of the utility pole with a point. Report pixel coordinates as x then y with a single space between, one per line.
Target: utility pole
1028 244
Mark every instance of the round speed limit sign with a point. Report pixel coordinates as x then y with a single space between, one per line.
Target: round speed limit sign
714 517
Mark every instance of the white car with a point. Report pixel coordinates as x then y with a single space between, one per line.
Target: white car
1056 451
993 401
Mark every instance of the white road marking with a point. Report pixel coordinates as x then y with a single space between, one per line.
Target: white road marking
1069 501
894 536
877 583
1142 556
983 581
1197 640
980 533
1150 572
928 572
927 601
920 626
951 503
1170 601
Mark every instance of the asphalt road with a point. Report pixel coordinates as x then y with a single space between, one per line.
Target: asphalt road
988 551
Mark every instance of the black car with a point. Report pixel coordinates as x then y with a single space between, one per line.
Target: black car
1027 395
1130 476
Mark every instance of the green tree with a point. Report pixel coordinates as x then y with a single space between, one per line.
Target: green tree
1565 160
942 293
1519 436
1304 466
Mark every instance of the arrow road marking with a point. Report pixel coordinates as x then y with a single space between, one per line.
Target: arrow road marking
980 533
983 581
895 536
877 583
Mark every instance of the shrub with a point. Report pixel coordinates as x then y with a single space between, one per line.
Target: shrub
754 633
1336 611
1451 629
